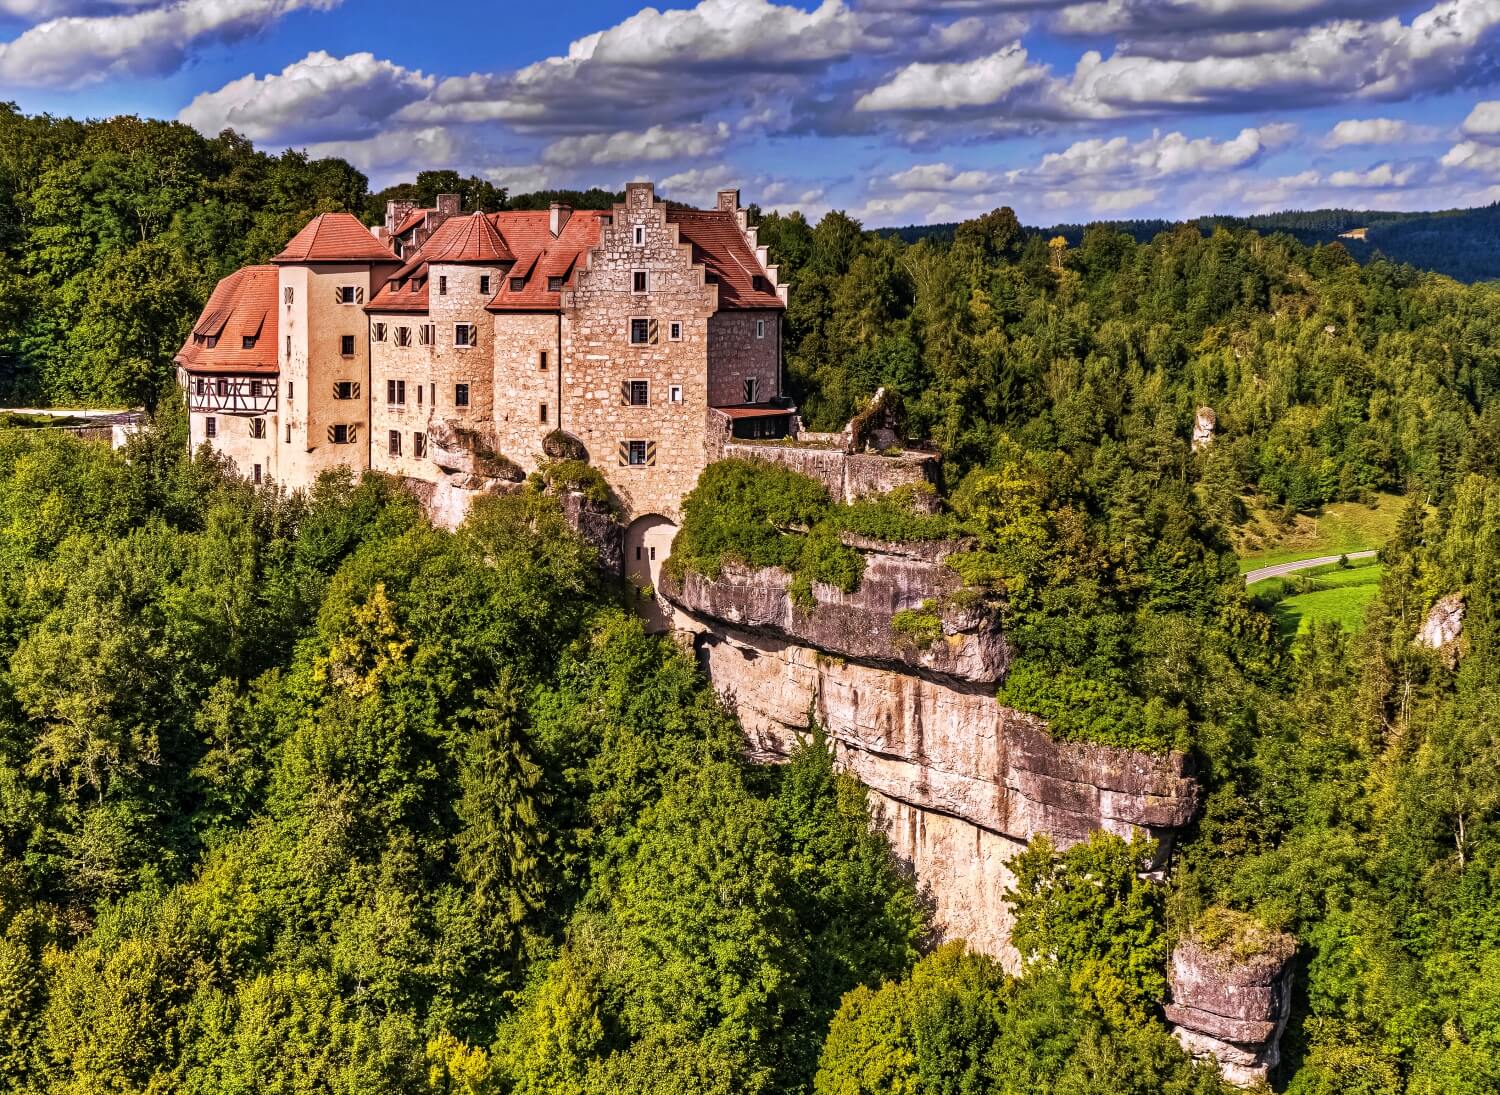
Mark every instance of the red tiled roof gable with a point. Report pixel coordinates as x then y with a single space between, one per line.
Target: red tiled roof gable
727 258
243 305
335 237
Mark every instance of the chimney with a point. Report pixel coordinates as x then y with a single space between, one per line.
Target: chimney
396 212
729 201
449 205
558 219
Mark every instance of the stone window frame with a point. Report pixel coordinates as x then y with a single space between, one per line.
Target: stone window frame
649 340
541 413
461 388
674 331
484 285
393 443
630 383
644 450
641 278
395 392
349 295
426 334
419 445
347 346
541 361
640 235
674 394
760 328
210 426
752 388
442 285
470 335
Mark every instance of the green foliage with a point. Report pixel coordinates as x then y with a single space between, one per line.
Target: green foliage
1090 913
918 626
573 476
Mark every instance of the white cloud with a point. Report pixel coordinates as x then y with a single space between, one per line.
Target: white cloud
1483 122
1471 156
1378 131
1005 78
942 177
80 49
654 144
400 152
1382 176
1160 155
1140 17
318 98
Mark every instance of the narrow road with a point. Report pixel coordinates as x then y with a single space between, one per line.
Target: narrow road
1279 569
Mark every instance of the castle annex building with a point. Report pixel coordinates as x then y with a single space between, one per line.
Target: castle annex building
445 347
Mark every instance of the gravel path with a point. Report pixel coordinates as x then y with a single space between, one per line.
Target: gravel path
1301 564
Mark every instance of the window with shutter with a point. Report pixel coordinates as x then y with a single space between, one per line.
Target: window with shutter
257 427
346 389
640 332
638 393
377 332
750 389
393 443
419 444
403 336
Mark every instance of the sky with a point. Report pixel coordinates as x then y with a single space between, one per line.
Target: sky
896 111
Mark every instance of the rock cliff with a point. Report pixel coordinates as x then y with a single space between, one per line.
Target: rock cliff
959 781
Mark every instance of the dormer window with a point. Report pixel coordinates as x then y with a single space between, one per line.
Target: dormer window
554 285
413 285
211 341
247 342
757 283
517 284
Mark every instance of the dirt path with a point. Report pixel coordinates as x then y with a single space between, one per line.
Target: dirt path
1279 569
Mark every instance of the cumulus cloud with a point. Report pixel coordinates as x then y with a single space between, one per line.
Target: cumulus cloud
1160 155
151 42
1378 131
1174 17
399 151
942 177
1006 79
1483 122
319 98
654 144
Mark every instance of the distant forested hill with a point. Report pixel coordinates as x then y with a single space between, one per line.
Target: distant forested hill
1462 243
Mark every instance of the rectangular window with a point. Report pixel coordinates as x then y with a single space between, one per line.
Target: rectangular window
346 294
288 433
255 389
345 389
346 345
640 235
554 285
288 345
419 444
638 392
442 285
638 281
750 387
395 392
760 328
257 427
484 285
257 473
425 333
247 342
211 341
517 284
210 426
463 334
198 385
286 294
460 395
290 386
393 443
377 332
640 332
339 435
221 387
674 393
674 331
403 336
637 453
541 361
419 395
541 413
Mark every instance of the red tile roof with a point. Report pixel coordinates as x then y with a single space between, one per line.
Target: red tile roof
413 219
539 257
335 237
725 254
243 305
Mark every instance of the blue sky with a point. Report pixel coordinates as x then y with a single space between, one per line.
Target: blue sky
899 111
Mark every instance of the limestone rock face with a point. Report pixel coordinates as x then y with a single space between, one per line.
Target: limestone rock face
469 450
1232 1010
446 501
1204 424
1444 626
858 625
597 524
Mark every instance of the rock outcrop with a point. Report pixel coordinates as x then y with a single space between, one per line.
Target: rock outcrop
1232 1007
959 782
1204 423
1444 627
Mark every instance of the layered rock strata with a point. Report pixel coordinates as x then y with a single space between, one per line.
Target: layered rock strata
958 781
1232 1009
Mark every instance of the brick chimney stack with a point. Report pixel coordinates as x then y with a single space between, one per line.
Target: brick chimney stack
729 201
449 205
558 219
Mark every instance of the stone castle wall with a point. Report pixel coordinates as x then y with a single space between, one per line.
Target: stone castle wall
523 387
738 355
599 358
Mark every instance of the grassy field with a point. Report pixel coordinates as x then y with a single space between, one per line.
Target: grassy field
1265 540
1332 593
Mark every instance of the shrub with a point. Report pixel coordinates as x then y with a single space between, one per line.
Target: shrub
918 626
573 476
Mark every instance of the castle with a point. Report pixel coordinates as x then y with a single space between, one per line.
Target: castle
452 349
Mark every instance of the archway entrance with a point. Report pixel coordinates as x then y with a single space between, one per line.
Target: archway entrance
648 542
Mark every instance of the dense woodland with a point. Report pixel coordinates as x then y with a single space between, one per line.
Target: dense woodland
298 794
